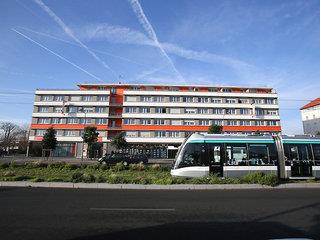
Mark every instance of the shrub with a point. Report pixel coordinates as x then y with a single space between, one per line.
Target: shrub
70 166
119 167
261 178
21 178
58 165
117 179
100 179
36 164
13 164
200 180
4 165
179 180
163 181
104 167
95 166
138 167
53 179
37 180
141 180
155 167
76 177
88 178
9 173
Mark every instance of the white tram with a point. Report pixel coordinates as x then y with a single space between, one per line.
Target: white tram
238 155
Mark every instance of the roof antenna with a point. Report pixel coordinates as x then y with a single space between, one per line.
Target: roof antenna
120 77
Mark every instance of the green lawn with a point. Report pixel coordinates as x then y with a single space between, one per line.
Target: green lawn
134 174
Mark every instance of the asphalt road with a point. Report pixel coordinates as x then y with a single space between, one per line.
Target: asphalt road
44 213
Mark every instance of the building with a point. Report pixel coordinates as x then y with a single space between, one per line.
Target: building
156 118
310 114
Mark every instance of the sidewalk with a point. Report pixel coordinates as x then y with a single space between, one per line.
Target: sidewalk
157 187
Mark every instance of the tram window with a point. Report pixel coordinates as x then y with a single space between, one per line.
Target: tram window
258 154
316 153
273 155
304 152
192 155
236 154
214 153
293 153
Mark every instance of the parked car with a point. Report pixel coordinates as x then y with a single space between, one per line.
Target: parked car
114 158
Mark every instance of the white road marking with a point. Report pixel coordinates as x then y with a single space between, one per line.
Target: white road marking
134 209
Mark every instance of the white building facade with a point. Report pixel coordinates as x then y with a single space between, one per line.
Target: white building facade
310 114
156 118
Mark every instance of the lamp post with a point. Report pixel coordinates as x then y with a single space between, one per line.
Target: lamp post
82 147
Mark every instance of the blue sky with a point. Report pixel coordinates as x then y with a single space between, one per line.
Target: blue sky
249 43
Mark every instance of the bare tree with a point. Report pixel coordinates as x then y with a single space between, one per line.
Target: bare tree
8 134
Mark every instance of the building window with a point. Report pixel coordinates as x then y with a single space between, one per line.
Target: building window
46 98
203 110
43 109
100 109
87 109
58 110
58 98
72 120
216 100
129 121
87 98
244 111
40 132
271 123
69 133
85 120
204 122
102 98
158 99
176 122
130 110
231 100
158 121
72 109
160 134
172 134
174 99
257 101
100 121
145 121
188 99
244 123
131 134
232 122
146 99
259 123
191 110
44 120
203 99
259 112
189 122
161 110
217 111
56 120
144 110
230 111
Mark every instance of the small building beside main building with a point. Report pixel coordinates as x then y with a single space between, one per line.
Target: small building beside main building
156 118
310 114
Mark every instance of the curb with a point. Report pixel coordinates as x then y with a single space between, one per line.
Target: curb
156 187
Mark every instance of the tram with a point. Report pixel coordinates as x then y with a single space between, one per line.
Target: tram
237 155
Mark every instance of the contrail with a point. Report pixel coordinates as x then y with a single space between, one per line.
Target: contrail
69 32
152 34
58 55
76 44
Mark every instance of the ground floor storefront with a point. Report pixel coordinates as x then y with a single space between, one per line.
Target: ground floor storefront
80 150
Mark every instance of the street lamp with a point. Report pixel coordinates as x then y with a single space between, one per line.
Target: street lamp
82 148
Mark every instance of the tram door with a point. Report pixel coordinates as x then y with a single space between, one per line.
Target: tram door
215 159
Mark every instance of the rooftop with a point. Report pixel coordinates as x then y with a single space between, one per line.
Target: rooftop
311 104
170 85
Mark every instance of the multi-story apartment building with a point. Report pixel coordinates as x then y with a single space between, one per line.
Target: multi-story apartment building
156 118
310 114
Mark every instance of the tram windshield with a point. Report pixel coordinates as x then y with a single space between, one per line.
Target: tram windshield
191 155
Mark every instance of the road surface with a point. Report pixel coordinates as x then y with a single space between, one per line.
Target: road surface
47 213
